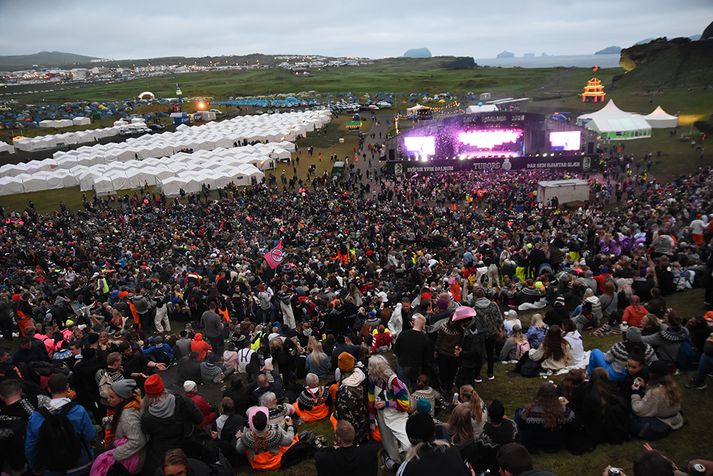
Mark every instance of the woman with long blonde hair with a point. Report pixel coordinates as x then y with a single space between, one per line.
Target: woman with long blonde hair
476 407
388 406
318 362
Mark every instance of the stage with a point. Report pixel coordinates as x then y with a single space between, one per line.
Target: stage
499 140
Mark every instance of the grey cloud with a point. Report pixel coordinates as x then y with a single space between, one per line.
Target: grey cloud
140 29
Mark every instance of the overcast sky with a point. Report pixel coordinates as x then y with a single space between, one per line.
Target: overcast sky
122 29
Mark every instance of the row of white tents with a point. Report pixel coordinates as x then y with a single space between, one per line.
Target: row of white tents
56 123
612 123
264 128
5 147
216 168
52 141
216 157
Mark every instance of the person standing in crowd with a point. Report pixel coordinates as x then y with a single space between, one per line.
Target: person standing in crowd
488 323
413 351
448 346
168 422
125 435
213 328
388 408
14 417
266 308
51 449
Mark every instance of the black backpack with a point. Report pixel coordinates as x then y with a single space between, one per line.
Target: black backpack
58 446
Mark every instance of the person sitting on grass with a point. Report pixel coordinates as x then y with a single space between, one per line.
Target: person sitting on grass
262 443
515 346
615 360
347 458
658 412
314 401
515 460
278 412
423 391
537 331
206 409
428 455
545 423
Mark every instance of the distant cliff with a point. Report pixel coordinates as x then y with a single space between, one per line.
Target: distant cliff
418 53
506 54
611 50
667 63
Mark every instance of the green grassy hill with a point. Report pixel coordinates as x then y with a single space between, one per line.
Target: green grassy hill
43 58
667 64
398 75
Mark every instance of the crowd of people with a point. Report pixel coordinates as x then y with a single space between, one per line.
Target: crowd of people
393 301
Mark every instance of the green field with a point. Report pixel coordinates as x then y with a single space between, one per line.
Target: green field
550 90
395 75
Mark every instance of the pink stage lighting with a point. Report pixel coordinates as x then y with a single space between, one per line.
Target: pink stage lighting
565 140
421 145
489 138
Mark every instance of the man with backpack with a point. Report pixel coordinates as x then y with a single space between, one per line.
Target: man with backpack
59 437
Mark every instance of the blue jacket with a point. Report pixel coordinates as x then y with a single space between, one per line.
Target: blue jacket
154 349
83 427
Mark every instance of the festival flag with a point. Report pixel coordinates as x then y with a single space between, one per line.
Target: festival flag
275 256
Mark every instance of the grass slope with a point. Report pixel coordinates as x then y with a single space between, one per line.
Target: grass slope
401 75
694 440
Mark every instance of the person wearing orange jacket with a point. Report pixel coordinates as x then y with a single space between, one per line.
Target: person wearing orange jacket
201 346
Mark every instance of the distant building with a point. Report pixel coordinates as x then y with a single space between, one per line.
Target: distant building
593 91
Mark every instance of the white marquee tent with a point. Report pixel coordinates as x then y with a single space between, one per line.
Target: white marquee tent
481 108
610 122
5 147
157 160
660 119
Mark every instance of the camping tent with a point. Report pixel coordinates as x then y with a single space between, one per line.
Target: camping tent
660 119
610 122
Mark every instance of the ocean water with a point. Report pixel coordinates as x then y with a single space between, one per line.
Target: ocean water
579 61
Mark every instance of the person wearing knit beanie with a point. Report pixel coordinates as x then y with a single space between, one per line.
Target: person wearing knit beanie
189 386
154 386
124 388
258 418
346 362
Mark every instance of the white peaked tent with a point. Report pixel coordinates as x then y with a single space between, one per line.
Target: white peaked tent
103 186
481 108
5 147
35 182
610 122
10 186
660 119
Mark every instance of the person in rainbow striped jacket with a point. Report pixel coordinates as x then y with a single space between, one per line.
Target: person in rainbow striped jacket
388 408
